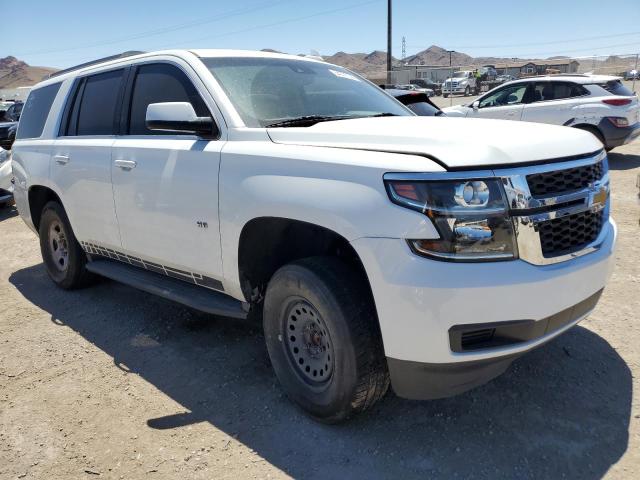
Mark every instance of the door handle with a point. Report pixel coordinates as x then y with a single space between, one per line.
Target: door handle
61 159
125 164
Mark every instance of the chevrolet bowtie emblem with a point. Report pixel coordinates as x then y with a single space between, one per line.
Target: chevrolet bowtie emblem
600 197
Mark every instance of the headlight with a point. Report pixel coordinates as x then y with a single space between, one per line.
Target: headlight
469 214
463 82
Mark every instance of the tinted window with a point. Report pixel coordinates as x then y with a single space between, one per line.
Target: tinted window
36 110
98 104
617 88
423 109
510 95
545 91
158 83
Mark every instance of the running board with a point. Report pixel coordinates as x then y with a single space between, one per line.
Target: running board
194 296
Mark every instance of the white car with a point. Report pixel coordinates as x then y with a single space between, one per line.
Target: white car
598 104
416 88
377 246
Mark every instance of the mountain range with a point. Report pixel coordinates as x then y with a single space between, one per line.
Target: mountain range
16 73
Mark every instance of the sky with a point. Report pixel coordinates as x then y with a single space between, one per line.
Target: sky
62 33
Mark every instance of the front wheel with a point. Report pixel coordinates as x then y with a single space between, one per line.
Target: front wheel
63 257
467 92
323 338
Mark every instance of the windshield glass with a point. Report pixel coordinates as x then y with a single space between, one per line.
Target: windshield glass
460 75
268 90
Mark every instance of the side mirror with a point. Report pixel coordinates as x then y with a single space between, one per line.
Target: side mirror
179 117
475 104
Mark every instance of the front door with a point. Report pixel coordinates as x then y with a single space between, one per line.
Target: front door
505 103
165 185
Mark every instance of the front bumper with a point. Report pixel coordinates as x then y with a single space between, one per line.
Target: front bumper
419 301
617 136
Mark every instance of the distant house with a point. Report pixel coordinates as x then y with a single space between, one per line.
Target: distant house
538 67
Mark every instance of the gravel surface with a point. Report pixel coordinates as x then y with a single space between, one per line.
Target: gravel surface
110 382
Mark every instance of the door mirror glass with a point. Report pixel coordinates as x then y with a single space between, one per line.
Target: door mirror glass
178 117
475 104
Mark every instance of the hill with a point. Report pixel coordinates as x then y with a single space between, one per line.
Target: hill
16 73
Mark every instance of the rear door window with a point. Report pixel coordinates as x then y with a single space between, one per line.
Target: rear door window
157 83
36 110
545 91
99 99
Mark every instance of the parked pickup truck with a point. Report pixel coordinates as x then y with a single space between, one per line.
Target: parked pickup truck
376 246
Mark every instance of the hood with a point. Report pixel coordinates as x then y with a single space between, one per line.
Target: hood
456 143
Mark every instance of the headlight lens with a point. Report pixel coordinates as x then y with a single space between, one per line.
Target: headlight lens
469 214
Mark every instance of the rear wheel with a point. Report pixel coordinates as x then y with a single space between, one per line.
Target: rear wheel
63 257
323 338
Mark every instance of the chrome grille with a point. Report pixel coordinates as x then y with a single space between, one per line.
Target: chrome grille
559 209
563 181
570 233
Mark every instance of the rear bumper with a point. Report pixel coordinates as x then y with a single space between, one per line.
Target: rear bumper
617 136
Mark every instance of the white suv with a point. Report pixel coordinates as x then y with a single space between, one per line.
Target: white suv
598 104
375 245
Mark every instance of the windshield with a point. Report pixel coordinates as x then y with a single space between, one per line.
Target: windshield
460 75
265 90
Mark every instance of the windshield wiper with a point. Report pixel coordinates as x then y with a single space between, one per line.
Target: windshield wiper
307 121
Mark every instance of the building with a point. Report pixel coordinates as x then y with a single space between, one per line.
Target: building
17 94
538 67
438 73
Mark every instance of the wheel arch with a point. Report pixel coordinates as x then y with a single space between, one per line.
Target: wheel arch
38 197
268 243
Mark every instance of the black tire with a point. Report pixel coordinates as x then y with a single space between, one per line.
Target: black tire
445 95
467 91
63 257
345 325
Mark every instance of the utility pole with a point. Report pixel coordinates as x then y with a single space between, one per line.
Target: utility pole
633 86
388 41
451 79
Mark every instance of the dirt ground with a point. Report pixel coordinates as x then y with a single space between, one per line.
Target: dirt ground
115 383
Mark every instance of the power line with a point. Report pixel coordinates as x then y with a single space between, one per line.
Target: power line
160 31
537 43
274 24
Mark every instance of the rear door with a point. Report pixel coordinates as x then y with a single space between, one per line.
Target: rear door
555 102
505 103
165 184
81 160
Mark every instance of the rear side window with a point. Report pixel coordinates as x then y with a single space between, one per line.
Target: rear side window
545 91
36 110
156 83
615 87
98 101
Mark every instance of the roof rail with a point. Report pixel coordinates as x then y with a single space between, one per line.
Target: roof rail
129 53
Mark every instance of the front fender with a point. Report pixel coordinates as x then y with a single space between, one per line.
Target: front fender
338 189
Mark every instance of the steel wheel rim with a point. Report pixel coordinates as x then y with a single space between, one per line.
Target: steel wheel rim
308 343
58 246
